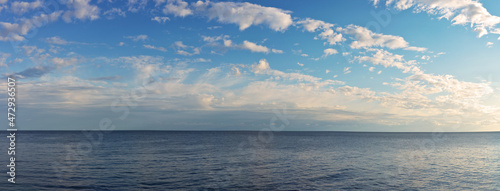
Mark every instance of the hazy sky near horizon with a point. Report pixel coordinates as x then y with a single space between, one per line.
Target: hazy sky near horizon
360 65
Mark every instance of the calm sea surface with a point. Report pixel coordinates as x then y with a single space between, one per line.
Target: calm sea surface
163 160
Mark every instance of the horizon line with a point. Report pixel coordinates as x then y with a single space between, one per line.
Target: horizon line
261 130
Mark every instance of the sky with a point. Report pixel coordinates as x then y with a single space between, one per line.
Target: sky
280 65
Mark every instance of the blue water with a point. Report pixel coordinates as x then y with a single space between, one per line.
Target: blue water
246 161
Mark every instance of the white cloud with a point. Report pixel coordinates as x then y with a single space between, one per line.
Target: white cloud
227 42
489 44
387 59
186 53
371 69
277 51
16 31
439 54
328 34
155 47
418 49
212 39
327 71
329 51
245 14
112 13
425 57
20 8
298 63
459 12
160 19
57 40
62 62
136 5
80 9
178 8
146 67
141 37
260 86
313 25
3 59
180 44
347 70
236 70
365 38
214 27
60 41
254 47
261 67
246 45
121 44
182 49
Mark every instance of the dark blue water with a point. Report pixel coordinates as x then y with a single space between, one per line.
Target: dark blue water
247 161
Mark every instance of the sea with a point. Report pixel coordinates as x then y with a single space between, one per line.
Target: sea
251 160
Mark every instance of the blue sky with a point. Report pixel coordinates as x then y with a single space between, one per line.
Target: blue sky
361 65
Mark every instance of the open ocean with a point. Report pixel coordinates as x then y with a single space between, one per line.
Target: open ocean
172 160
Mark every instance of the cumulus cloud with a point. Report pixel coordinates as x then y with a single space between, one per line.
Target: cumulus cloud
178 8
261 66
182 49
247 14
19 7
329 51
228 42
254 47
180 44
459 12
17 31
242 14
327 31
387 59
365 38
80 9
261 86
